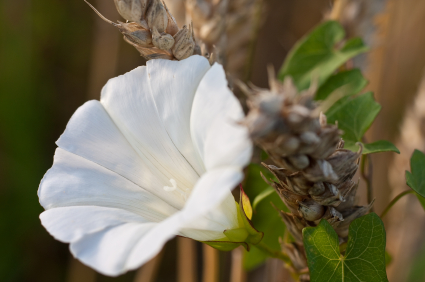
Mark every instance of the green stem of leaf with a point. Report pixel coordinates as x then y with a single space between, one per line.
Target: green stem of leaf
395 200
272 253
367 177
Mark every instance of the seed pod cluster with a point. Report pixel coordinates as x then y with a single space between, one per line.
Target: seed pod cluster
313 170
152 30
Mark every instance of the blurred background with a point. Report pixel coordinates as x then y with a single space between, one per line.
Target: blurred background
55 55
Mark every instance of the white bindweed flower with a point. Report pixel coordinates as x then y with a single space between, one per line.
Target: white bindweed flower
156 157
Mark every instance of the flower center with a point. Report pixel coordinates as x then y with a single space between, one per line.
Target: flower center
173 187
182 191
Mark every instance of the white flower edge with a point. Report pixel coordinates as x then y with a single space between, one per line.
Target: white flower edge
113 237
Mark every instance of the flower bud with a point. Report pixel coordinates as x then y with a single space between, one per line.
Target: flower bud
310 210
157 16
163 40
184 43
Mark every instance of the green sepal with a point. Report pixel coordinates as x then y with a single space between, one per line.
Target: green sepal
226 246
254 236
236 235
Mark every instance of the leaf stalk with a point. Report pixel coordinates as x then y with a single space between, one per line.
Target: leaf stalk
395 200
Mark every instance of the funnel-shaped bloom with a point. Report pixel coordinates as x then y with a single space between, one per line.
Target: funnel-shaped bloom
156 157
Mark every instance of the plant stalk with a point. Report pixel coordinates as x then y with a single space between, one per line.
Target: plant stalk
367 177
395 200
273 253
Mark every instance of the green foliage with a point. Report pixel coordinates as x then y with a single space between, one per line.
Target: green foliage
317 55
375 147
265 217
351 78
416 178
364 258
354 115
263 195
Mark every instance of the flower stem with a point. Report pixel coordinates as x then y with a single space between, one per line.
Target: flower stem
398 197
273 253
367 176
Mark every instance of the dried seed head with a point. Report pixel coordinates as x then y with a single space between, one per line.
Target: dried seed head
350 196
136 34
298 162
172 27
351 214
163 40
344 163
330 197
317 189
294 223
289 198
157 16
132 10
296 253
151 53
333 216
319 171
184 43
132 32
310 210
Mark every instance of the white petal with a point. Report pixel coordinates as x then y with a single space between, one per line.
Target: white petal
220 140
92 134
211 207
75 181
130 103
174 85
106 238
107 251
69 224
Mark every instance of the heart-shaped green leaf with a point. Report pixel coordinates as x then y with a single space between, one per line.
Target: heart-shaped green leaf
364 259
354 115
416 179
317 55
352 78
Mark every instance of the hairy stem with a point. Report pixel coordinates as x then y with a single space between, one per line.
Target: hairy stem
395 200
